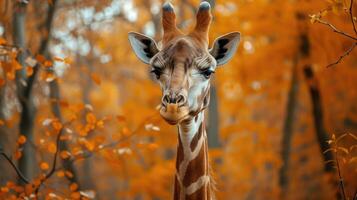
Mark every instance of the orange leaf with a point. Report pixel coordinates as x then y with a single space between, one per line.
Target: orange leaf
28 189
18 155
29 71
44 166
2 82
95 78
2 41
89 145
73 187
68 174
75 195
100 124
57 125
21 140
60 173
153 146
2 122
52 148
65 154
125 131
40 58
120 118
4 189
16 65
90 118
47 63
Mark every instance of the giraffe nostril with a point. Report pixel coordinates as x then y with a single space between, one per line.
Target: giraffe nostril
166 99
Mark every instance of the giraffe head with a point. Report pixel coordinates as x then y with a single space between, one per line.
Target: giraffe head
184 65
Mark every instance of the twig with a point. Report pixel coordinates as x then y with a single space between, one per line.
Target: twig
341 184
351 16
53 169
18 172
114 143
335 29
343 55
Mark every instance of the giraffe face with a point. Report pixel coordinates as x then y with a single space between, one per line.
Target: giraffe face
183 70
184 66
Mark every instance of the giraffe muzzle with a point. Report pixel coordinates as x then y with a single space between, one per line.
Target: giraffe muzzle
173 113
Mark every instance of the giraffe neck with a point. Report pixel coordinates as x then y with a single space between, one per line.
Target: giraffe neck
192 179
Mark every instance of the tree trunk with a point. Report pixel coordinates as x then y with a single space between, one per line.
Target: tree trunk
288 129
303 53
26 162
28 113
317 112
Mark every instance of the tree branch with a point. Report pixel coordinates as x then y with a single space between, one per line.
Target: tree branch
43 46
343 55
351 16
18 172
335 29
54 162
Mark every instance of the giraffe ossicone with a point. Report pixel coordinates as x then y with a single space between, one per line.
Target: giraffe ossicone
183 67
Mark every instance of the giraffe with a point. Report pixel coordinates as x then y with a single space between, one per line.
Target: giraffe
183 67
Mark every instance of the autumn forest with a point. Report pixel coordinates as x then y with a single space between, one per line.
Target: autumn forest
88 107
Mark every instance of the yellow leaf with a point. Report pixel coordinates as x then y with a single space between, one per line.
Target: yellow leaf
100 124
68 61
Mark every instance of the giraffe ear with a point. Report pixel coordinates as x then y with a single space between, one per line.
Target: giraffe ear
224 47
144 47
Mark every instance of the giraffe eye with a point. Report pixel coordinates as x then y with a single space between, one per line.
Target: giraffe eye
157 71
207 73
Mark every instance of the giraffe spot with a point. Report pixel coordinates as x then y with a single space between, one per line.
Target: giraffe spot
177 189
180 154
196 118
196 168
